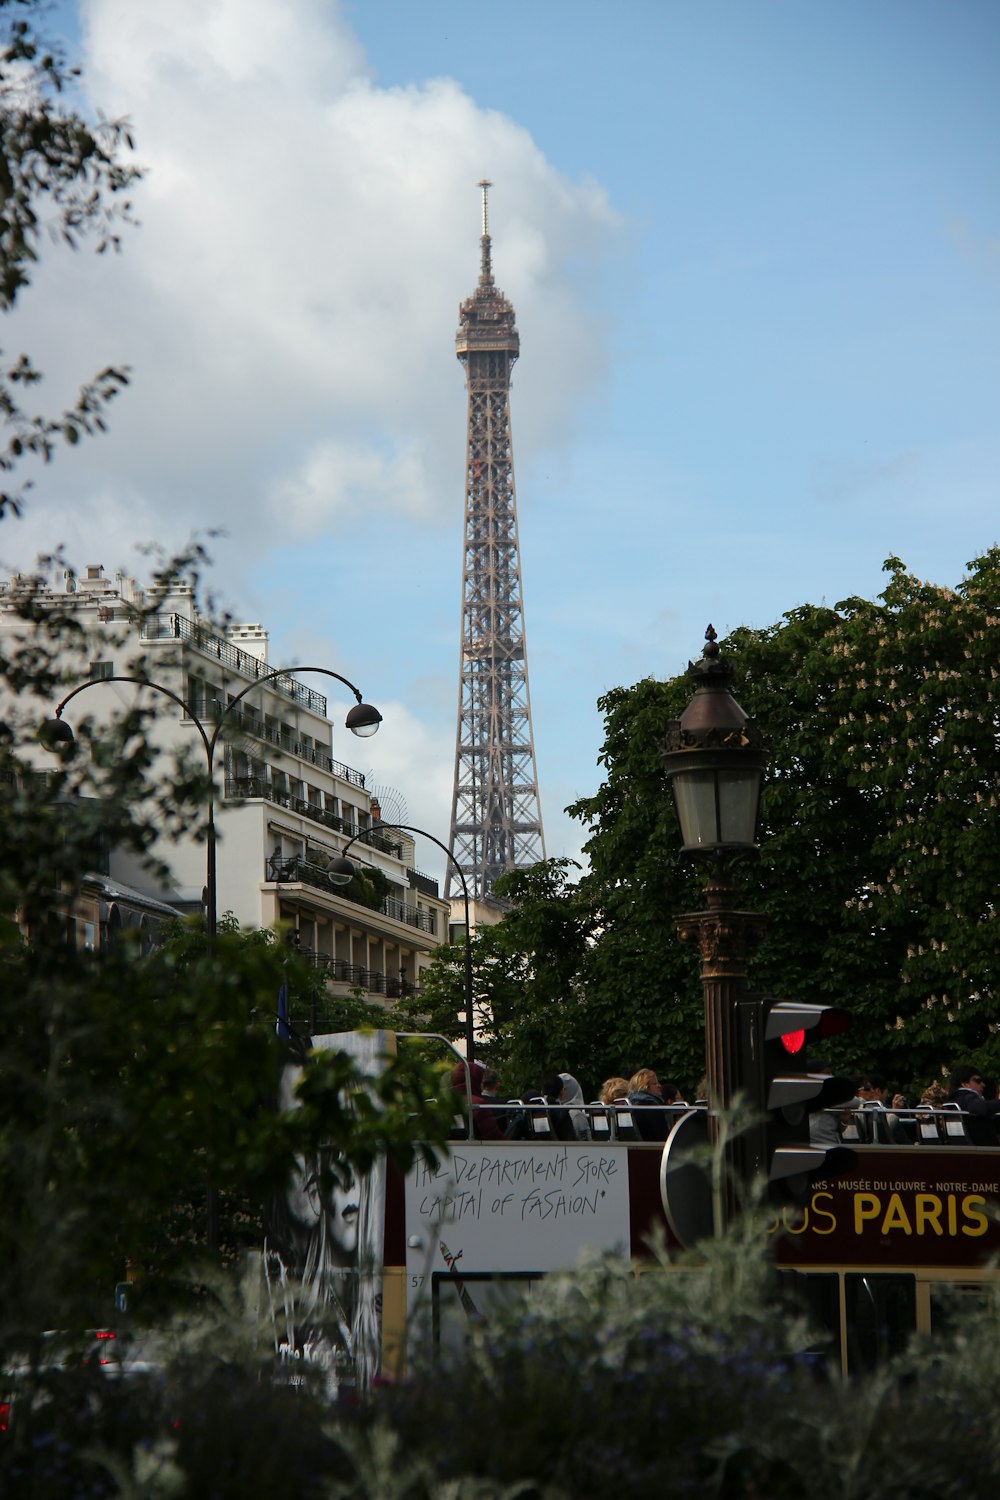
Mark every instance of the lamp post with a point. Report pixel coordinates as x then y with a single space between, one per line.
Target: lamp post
55 733
715 756
341 871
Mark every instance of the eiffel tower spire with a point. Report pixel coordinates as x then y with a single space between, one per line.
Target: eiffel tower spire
496 821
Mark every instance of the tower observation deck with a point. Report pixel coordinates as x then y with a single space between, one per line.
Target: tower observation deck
496 822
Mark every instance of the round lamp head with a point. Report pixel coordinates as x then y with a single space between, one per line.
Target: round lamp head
340 870
363 720
715 756
56 735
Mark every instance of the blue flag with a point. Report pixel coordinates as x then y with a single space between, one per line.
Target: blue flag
282 1027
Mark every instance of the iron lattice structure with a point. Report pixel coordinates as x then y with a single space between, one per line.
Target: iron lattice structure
496 822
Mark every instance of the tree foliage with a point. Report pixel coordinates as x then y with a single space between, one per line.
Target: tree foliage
880 856
64 176
131 1080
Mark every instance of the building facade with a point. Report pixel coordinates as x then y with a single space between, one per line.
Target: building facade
284 804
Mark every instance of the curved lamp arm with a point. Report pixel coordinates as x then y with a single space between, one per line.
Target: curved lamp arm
55 732
362 720
57 735
341 871
341 876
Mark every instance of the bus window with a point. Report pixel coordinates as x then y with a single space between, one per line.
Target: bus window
461 1300
954 1302
881 1317
815 1296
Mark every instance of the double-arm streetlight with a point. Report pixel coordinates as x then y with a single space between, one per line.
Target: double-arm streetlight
56 734
341 872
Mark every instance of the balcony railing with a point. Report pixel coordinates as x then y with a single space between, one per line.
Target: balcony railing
372 980
282 736
180 628
293 868
245 788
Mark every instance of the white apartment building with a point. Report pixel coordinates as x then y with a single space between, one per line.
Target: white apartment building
284 805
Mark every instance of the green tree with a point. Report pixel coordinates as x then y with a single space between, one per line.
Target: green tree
880 858
129 1081
64 176
534 952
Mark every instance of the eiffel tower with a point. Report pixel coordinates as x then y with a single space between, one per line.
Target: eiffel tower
496 821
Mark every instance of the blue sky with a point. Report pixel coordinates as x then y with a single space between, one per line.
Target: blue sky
754 250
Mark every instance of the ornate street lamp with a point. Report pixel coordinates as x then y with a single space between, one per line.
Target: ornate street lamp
715 756
362 720
341 871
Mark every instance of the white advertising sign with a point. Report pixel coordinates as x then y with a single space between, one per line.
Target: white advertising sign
518 1208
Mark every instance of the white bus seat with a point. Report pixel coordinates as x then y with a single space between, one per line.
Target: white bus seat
954 1128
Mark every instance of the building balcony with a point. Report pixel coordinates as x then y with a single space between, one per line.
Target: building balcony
285 739
248 788
373 980
293 869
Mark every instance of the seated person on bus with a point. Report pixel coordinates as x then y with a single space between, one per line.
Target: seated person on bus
553 1091
887 1127
494 1101
573 1094
485 1126
826 1125
646 1098
967 1089
614 1090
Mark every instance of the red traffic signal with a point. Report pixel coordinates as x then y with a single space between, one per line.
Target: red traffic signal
791 1093
791 1019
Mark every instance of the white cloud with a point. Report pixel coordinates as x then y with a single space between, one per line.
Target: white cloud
409 764
339 480
288 307
288 303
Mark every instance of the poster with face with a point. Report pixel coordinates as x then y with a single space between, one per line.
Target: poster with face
323 1246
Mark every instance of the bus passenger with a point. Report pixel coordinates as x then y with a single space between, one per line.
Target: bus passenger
485 1126
553 1090
613 1090
573 1094
646 1098
672 1094
826 1125
967 1089
887 1127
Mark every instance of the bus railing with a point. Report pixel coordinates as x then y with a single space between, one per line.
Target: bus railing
620 1121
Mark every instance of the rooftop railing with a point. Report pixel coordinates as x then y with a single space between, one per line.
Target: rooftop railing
180 628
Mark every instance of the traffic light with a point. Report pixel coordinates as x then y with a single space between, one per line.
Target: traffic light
789 1094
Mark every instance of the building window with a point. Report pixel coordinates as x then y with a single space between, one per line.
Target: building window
99 670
